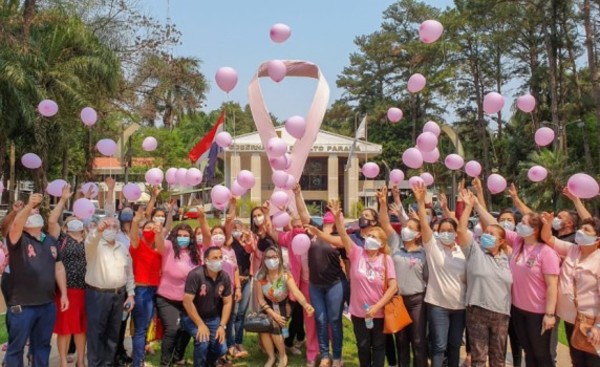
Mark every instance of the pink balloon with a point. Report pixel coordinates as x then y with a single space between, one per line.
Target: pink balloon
432 127
414 180
154 176
281 219
291 181
583 186
85 188
427 141
493 103
370 169
280 32
279 178
430 31
181 176
220 207
224 139
413 158
193 176
276 147
295 126
280 199
276 70
237 189
220 195
278 163
473 168
107 147
31 161
431 157
526 103
300 244
55 187
537 173
496 183
427 178
246 179
454 161
416 83
89 116
171 176
396 176
226 78
132 192
83 208
48 108
149 144
544 136
394 114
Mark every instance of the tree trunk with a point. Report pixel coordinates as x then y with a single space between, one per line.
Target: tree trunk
12 189
65 165
549 43
28 14
589 44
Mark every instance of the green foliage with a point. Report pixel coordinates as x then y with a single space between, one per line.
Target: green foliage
314 209
357 209
245 205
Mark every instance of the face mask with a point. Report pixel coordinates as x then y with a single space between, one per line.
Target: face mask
508 225
408 234
523 230
447 238
218 239
159 220
583 239
199 239
272 264
183 241
363 222
259 220
236 234
148 235
214 265
34 221
556 224
487 241
75 226
109 235
372 244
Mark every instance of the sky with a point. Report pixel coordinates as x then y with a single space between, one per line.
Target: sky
236 34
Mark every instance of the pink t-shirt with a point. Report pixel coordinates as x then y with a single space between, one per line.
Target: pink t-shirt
174 272
285 240
529 264
367 277
229 264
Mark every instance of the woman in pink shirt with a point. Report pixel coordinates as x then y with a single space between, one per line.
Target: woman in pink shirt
580 270
180 255
367 281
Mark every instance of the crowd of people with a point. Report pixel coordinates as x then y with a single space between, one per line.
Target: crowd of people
510 279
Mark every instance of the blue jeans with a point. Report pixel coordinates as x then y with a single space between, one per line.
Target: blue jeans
235 326
142 316
328 302
446 328
207 353
35 323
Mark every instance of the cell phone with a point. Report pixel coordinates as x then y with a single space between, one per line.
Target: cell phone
16 309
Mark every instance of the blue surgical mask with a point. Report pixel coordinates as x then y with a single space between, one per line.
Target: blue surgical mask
183 241
524 230
487 241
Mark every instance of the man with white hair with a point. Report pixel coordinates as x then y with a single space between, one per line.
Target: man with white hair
109 276
36 268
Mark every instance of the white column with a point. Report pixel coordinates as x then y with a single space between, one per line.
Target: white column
256 169
351 187
332 177
235 166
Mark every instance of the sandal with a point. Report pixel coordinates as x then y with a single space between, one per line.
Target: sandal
232 352
325 362
241 351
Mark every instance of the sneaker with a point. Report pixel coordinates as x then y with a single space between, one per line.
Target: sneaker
293 351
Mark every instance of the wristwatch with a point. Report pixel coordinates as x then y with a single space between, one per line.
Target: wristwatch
223 326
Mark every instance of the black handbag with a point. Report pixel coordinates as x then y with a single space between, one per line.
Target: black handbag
258 323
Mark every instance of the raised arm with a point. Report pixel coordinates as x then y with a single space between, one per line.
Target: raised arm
169 221
93 239
150 207
546 233
420 191
485 218
444 205
384 217
53 225
581 209
301 205
334 206
16 228
397 205
230 217
206 237
479 191
463 234
518 203
159 239
134 234
325 237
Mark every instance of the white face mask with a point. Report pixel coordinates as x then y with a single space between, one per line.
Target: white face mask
272 264
258 220
199 239
408 234
159 220
214 265
75 226
218 239
556 224
109 235
583 239
447 238
34 221
236 234
372 244
508 225
523 230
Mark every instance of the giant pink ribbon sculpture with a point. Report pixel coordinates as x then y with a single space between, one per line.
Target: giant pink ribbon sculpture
314 118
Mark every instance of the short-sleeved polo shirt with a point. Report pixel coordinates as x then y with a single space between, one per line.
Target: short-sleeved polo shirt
208 293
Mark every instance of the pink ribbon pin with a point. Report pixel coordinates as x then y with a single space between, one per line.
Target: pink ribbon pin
31 251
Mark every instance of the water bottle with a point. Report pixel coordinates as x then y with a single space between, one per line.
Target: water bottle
589 333
368 322
285 332
126 311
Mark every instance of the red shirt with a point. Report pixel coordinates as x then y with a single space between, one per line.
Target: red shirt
146 264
